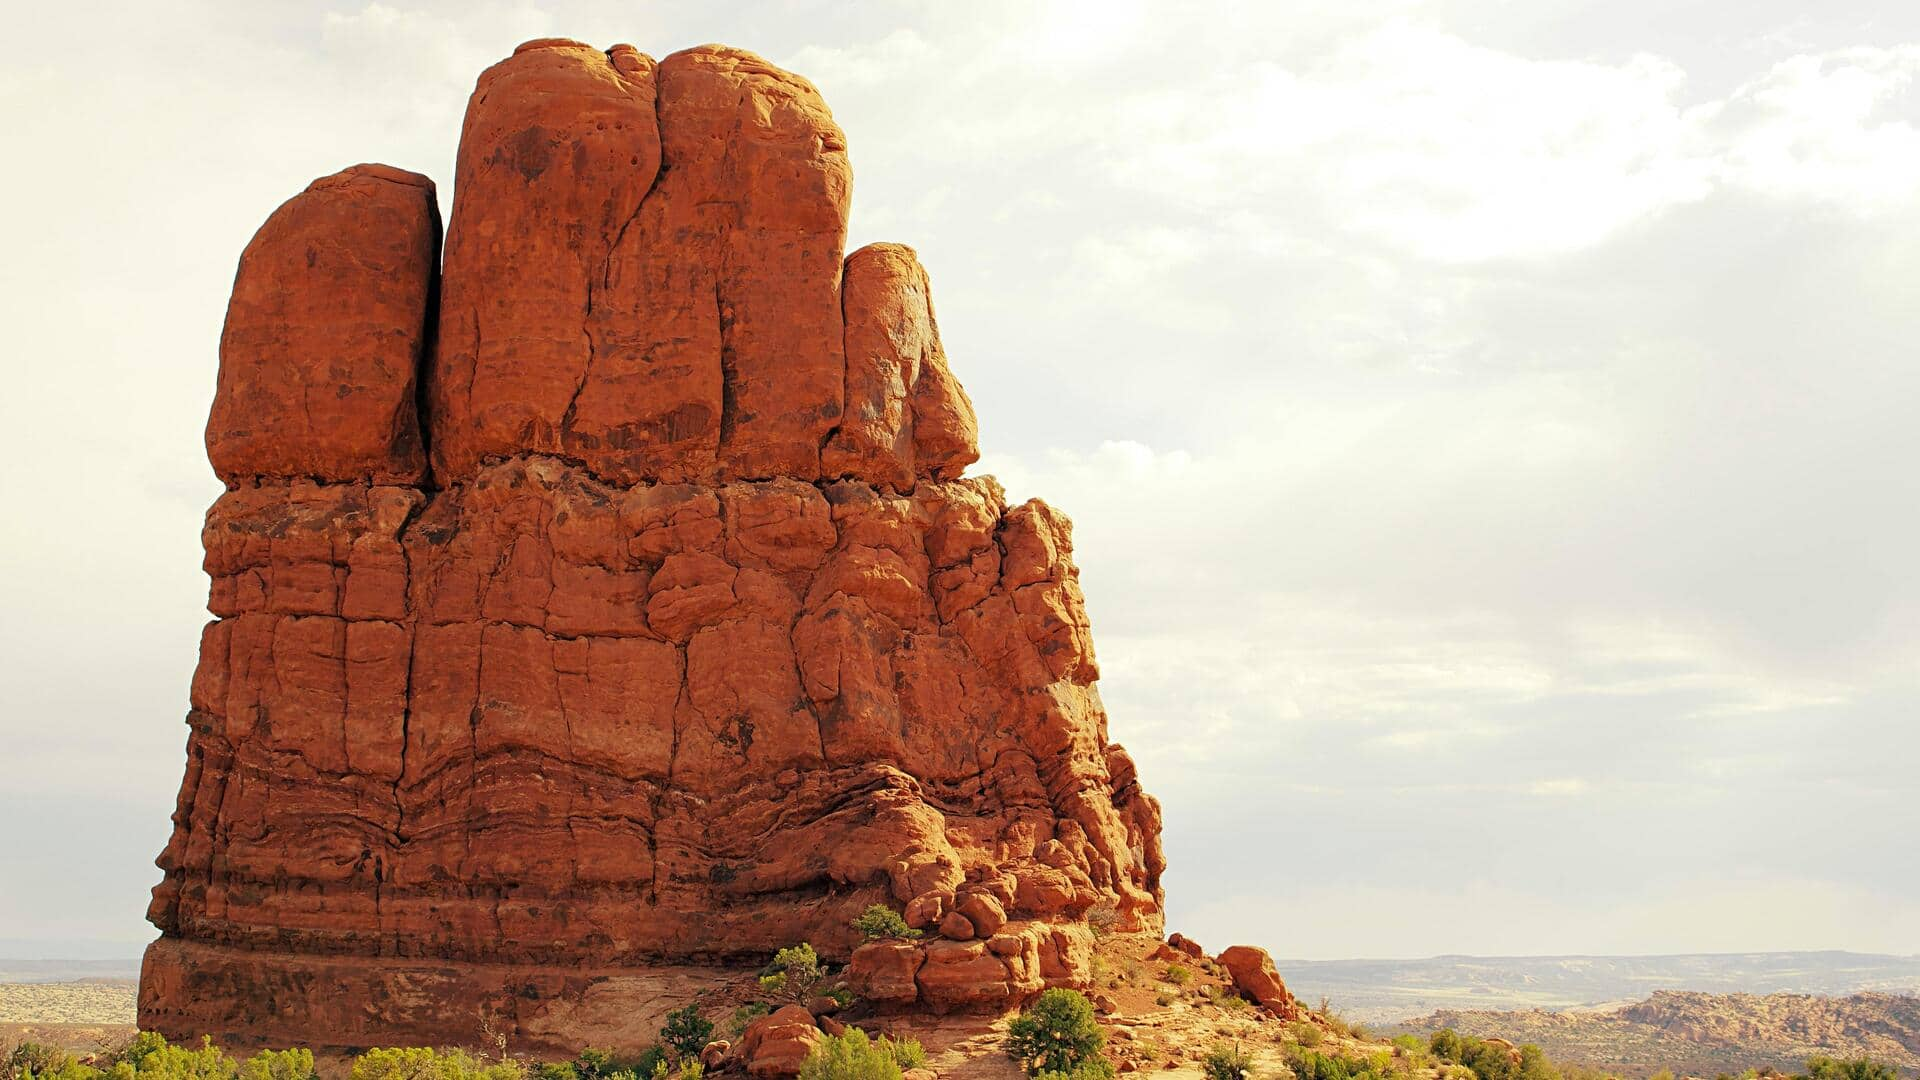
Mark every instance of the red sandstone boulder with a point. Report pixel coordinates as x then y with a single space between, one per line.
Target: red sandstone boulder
1254 975
325 334
983 913
776 1044
883 972
1184 944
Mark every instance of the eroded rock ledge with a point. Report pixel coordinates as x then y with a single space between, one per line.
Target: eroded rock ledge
611 596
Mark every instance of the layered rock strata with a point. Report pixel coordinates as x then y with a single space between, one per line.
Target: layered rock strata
610 597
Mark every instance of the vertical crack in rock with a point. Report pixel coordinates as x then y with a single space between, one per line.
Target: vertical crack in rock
655 623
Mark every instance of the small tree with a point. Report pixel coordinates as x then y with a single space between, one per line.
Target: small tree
881 923
686 1033
1057 1034
793 974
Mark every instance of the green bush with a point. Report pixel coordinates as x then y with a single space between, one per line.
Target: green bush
744 1015
1860 1068
1227 998
1091 1069
424 1063
690 1069
1178 974
278 1065
1306 1034
594 1064
882 923
1056 1034
31 1059
555 1070
907 1053
793 974
850 1056
160 1060
1494 1061
686 1033
1227 1062
1314 1065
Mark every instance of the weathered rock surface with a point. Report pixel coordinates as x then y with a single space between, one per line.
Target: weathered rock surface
688 642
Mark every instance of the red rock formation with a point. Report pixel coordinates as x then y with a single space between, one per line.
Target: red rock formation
691 644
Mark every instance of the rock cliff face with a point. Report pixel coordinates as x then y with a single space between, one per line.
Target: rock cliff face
609 599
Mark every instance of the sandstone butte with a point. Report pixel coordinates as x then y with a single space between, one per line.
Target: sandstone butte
601 600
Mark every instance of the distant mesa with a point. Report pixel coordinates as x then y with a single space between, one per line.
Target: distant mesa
601 597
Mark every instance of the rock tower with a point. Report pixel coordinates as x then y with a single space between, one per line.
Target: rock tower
602 601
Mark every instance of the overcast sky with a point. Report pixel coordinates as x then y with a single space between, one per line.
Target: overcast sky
1490 425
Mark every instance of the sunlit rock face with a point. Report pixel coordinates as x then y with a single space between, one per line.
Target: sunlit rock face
605 599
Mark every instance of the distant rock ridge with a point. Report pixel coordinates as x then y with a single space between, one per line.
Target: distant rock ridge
1704 1034
609 598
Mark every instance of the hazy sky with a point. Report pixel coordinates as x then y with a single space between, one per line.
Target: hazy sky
1490 425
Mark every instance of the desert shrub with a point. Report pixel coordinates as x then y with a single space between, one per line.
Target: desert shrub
744 1015
1163 999
1306 1034
906 1053
157 1059
1056 1034
685 1032
644 1066
1227 1062
278 1065
1495 1061
1178 974
1226 998
850 1055
882 923
1822 1067
36 1059
424 1063
793 973
1314 1065
555 1070
1097 1068
689 1069
595 1063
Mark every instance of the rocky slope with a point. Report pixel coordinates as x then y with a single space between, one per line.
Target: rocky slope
1705 1034
607 600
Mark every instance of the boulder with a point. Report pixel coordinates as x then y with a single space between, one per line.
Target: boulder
883 972
983 913
1254 975
1184 944
776 1044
